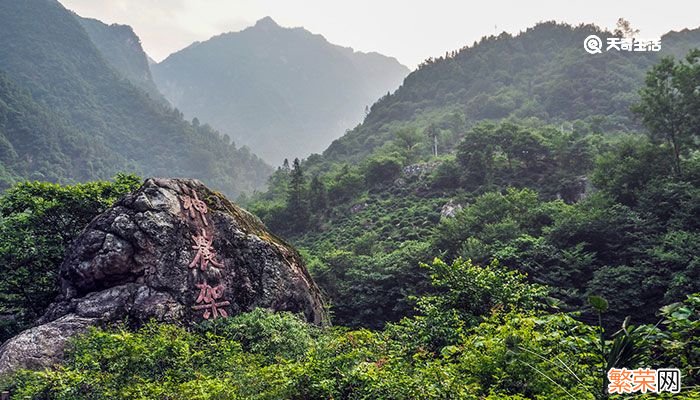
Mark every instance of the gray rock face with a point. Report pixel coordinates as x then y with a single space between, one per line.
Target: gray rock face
43 345
173 251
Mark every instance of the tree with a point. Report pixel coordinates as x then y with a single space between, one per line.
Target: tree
475 155
464 294
628 167
473 291
318 195
381 169
446 175
408 139
38 221
345 184
624 29
297 205
433 132
669 104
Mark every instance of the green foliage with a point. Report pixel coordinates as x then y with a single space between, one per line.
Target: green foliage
297 204
273 336
669 104
538 73
504 155
572 200
473 291
370 215
515 353
345 184
465 294
38 221
120 46
66 114
369 290
678 344
507 353
598 303
407 139
636 258
381 170
485 337
256 356
35 144
318 194
629 166
447 175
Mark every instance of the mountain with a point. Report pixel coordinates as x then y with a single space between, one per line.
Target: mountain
540 164
122 49
37 144
543 72
284 92
69 115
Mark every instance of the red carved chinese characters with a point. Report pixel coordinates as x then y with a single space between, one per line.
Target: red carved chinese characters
195 206
205 252
208 301
209 298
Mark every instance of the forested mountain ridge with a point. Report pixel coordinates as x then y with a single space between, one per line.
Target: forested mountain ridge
585 195
122 49
542 72
285 92
104 124
34 141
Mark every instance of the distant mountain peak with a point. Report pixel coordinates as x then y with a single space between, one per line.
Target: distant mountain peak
284 92
266 23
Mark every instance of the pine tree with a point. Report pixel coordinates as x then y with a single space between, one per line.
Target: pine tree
297 205
433 132
318 195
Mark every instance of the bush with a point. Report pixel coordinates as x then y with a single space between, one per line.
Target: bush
381 170
274 336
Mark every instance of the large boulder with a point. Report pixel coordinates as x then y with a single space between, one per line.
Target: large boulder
173 251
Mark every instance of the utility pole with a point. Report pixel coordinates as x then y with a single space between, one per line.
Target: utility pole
435 145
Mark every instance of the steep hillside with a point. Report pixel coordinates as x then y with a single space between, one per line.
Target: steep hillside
540 163
122 49
542 72
47 53
284 92
37 144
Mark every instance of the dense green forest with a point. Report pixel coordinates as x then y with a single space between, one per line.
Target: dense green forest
501 255
541 73
67 114
577 207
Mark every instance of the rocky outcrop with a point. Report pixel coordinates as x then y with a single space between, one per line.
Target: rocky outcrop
450 209
173 251
41 346
420 169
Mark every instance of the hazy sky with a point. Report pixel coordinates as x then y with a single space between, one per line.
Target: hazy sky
408 30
